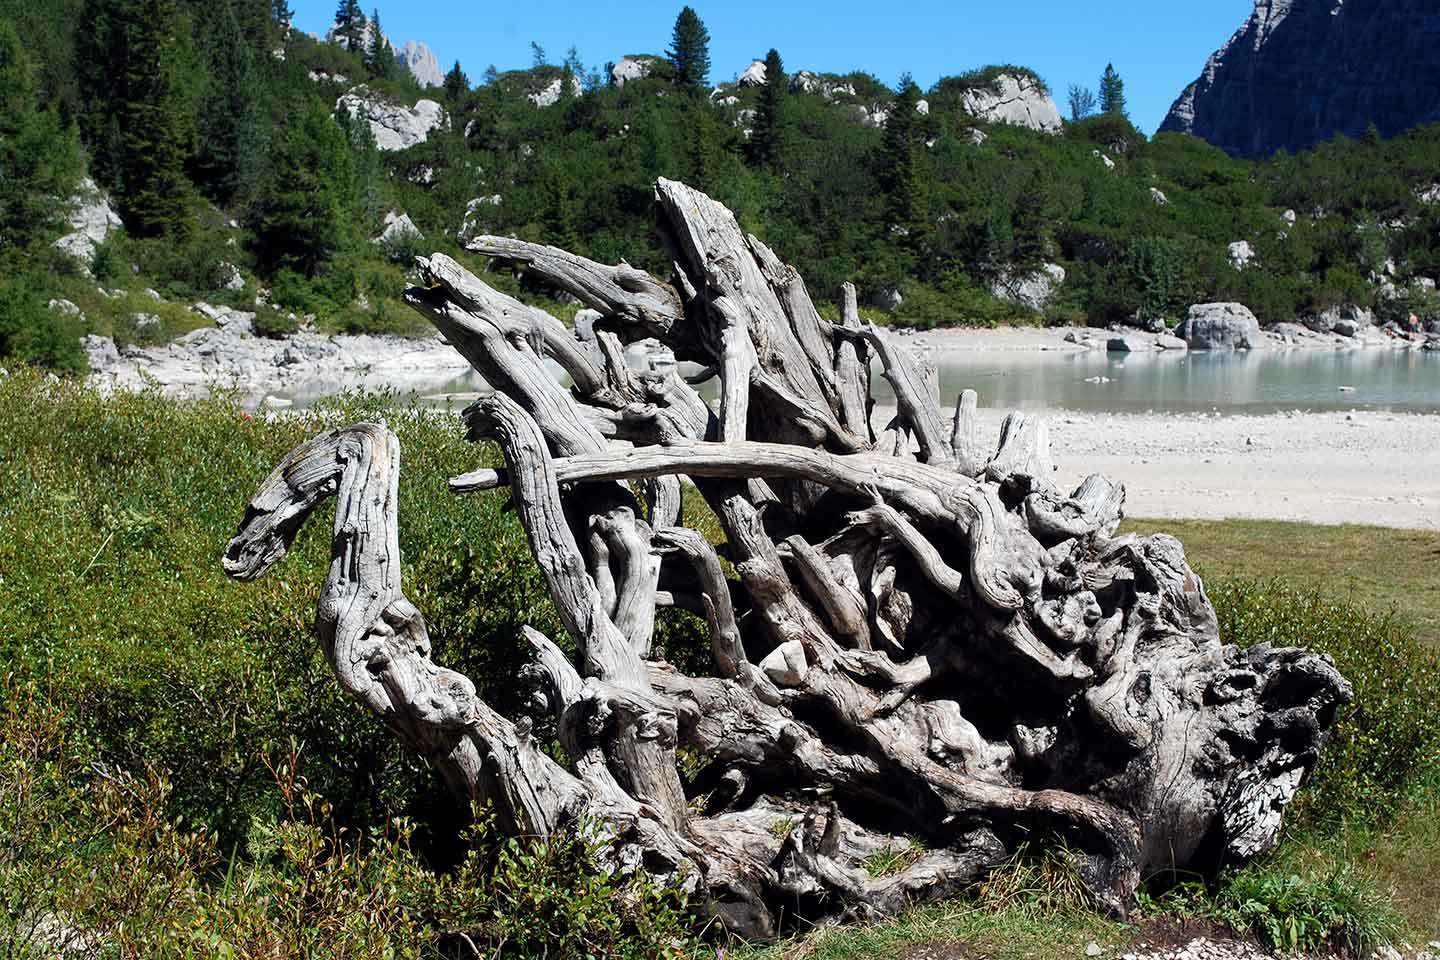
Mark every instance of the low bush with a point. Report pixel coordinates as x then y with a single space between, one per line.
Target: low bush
1388 738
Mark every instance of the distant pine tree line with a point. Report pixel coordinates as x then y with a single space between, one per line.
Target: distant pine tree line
195 116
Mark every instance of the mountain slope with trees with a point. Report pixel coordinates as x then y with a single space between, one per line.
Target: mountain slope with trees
216 132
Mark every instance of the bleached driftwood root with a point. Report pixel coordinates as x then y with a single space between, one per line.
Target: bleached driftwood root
923 641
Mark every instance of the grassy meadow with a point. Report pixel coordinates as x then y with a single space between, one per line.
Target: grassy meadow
181 776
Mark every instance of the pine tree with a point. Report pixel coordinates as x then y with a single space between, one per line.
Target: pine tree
538 57
155 125
100 60
897 174
456 87
766 132
40 159
349 29
281 14
1112 93
379 57
1028 225
690 50
303 219
227 118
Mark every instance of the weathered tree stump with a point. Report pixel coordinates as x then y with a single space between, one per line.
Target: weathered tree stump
925 639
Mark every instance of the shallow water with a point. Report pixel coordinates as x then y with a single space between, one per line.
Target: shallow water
1255 382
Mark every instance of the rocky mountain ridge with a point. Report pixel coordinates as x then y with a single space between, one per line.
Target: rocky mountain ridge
1298 72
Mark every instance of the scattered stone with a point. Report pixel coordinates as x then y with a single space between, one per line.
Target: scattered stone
1240 253
1159 197
1289 217
153 294
100 352
786 665
976 136
1093 949
1349 316
886 299
65 308
1109 164
145 322
1130 343
473 224
230 278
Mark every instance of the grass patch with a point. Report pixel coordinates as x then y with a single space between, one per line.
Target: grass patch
1380 569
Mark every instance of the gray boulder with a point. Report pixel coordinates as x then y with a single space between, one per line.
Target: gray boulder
100 352
398 227
394 127
1130 343
65 308
1014 99
631 68
754 75
1220 326
1032 290
1240 253
1348 316
91 221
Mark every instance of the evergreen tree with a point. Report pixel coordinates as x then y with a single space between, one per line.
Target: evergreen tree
1028 225
100 59
227 117
766 132
303 219
690 50
1112 93
349 29
457 88
538 57
156 128
281 14
379 57
1082 102
40 159
897 173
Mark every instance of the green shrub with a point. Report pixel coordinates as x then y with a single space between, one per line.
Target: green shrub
33 333
275 323
1389 736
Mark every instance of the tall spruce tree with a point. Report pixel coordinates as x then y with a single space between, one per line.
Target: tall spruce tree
690 50
457 88
303 219
379 57
227 117
349 28
897 173
40 158
156 128
281 14
766 132
100 60
1112 93
1082 102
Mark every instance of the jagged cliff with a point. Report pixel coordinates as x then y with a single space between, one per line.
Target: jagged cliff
1299 71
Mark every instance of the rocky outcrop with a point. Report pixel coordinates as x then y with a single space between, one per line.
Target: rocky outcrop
420 60
754 75
1220 326
394 127
230 355
1032 290
91 220
398 229
1300 71
552 91
1240 253
1015 99
476 218
1346 320
628 69
808 81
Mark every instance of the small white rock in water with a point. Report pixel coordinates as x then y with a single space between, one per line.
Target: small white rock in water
1347 389
1099 380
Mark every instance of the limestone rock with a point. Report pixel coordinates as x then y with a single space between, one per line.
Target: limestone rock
1168 341
474 223
100 352
754 75
1129 343
976 136
91 221
398 227
1159 197
420 60
1297 72
1347 316
1240 253
786 665
230 278
631 68
394 127
1109 164
1014 99
807 81
1031 290
65 308
1220 326
550 96
890 300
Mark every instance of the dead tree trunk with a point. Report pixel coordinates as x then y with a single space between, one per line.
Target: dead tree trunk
925 640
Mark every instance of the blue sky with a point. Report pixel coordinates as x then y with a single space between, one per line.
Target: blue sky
1157 47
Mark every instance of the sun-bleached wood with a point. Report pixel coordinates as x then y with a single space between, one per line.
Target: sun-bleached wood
916 637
